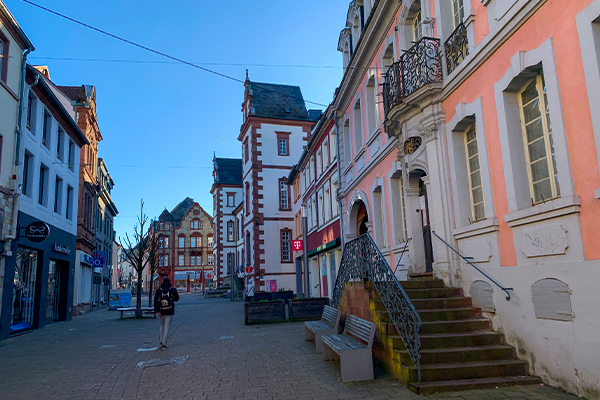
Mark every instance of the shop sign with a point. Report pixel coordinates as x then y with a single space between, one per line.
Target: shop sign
101 254
249 269
59 248
98 263
297 245
37 231
86 259
208 274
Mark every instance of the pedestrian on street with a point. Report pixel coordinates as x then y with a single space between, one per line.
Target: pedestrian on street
164 306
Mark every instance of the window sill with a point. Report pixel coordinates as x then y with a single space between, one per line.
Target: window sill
374 135
553 209
9 90
359 154
476 228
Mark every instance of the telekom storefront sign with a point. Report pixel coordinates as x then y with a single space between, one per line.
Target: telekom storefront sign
297 245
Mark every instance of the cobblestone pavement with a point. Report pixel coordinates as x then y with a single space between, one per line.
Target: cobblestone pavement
211 355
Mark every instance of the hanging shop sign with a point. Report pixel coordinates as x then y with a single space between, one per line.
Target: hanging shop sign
297 245
101 254
59 248
37 231
98 263
412 144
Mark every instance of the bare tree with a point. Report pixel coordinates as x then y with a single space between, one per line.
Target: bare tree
135 251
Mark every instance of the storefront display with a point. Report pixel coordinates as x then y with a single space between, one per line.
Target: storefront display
24 295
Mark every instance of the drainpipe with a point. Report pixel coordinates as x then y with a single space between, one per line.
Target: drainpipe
339 168
19 129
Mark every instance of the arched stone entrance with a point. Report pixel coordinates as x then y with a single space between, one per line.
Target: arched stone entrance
358 216
419 222
361 219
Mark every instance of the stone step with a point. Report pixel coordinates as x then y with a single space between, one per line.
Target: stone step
430 304
422 284
460 354
468 384
461 325
449 314
470 370
449 340
444 302
460 339
433 293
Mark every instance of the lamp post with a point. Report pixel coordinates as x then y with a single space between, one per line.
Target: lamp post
305 252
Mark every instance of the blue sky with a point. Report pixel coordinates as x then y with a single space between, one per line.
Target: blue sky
161 121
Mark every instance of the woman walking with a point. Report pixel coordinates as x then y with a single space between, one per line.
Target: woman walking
164 306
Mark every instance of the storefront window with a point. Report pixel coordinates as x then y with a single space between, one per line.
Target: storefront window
24 293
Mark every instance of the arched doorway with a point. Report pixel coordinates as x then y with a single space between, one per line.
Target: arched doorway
361 219
358 216
419 225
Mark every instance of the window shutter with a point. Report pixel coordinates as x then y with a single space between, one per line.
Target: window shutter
552 300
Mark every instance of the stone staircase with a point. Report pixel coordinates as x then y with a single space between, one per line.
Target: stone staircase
459 350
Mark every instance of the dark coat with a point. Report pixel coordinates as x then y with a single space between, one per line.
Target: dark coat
172 292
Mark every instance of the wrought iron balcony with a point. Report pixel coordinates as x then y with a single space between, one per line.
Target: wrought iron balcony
417 67
457 48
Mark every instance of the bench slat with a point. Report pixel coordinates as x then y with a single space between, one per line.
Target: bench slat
317 325
358 327
330 314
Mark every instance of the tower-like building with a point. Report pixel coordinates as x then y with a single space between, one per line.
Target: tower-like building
227 195
275 129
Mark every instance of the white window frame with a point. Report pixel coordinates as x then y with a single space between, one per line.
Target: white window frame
523 64
548 160
471 173
466 114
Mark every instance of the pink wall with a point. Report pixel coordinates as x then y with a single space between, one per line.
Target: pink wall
577 118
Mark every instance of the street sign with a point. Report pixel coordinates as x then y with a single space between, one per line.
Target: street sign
249 269
297 245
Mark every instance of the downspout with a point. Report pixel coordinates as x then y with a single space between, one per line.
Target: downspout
19 129
339 170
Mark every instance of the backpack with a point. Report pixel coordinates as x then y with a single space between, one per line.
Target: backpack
166 302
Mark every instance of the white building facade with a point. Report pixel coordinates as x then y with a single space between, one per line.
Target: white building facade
275 129
227 195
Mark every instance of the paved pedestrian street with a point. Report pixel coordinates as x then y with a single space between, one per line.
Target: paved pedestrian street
211 355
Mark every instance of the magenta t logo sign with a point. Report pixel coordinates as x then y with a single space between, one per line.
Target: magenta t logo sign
297 245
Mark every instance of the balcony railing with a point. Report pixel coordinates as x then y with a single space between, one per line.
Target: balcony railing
457 48
418 66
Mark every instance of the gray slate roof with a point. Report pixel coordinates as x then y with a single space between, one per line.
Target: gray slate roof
278 101
176 215
229 171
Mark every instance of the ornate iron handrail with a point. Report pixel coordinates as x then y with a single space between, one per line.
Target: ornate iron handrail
457 48
418 66
505 290
392 87
363 260
421 64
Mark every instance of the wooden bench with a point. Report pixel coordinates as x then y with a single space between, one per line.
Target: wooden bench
328 325
144 310
353 348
